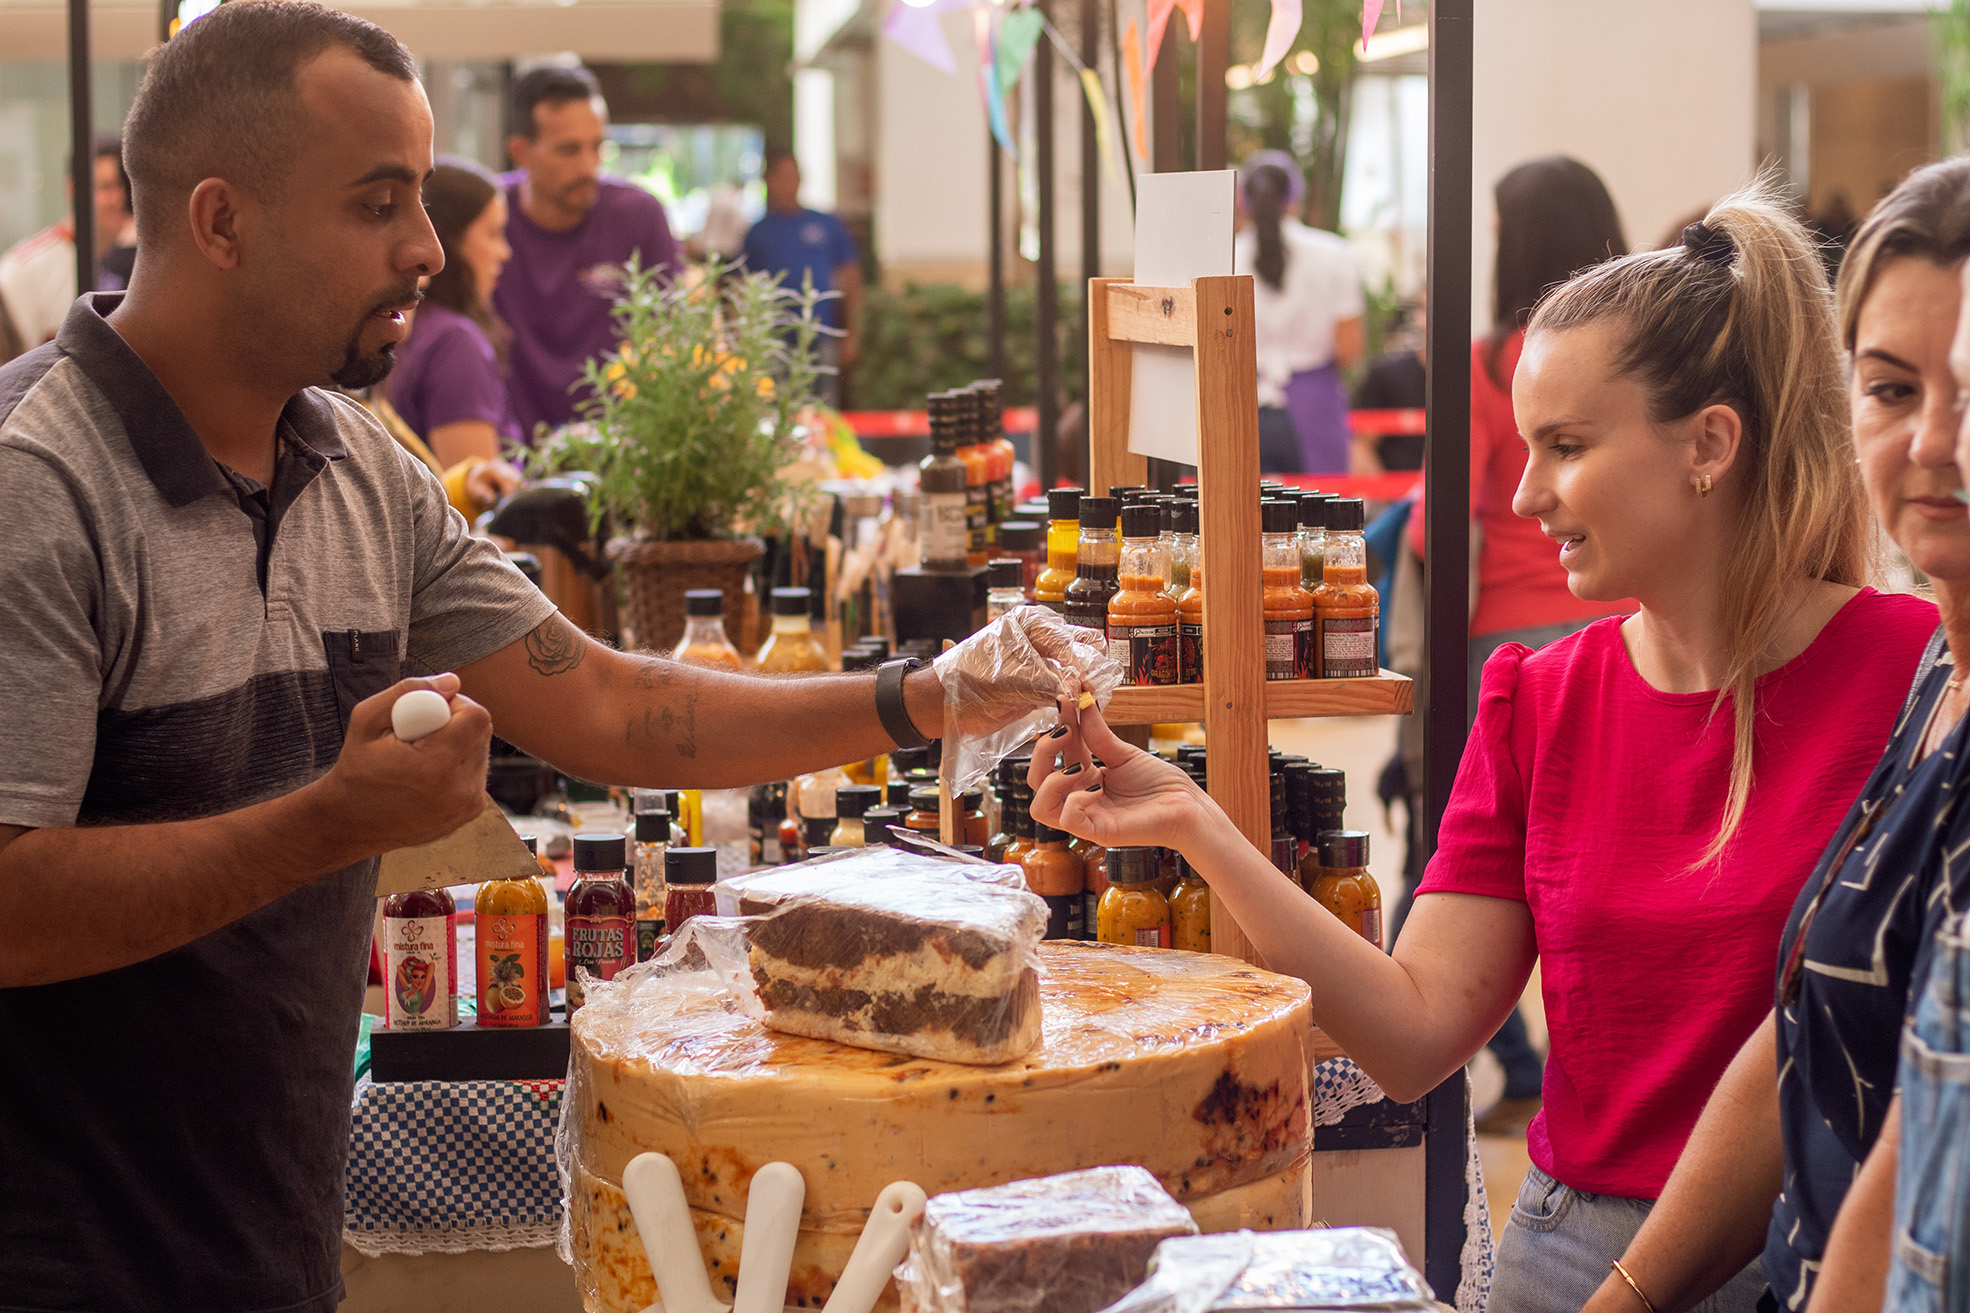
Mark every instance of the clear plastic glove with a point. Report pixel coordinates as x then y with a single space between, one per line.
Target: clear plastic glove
1006 683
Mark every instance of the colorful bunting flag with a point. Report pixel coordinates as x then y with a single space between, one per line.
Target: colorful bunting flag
1371 14
920 32
988 79
1132 59
1018 34
1159 18
1104 128
1279 33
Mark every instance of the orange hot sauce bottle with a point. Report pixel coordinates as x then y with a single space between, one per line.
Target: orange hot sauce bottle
1142 616
1289 638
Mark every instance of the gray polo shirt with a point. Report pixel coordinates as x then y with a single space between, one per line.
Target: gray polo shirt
173 1134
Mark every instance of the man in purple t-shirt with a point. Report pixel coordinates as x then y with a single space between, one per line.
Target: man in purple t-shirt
572 231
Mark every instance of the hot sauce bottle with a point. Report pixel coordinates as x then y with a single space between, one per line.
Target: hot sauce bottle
942 491
1024 541
791 648
653 839
601 913
1142 616
1097 556
1344 886
1190 911
1058 877
511 919
689 874
1000 454
704 642
1347 607
1063 548
1289 645
1134 911
1190 619
420 960
977 479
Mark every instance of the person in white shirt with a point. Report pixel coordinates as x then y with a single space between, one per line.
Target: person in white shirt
37 273
1308 305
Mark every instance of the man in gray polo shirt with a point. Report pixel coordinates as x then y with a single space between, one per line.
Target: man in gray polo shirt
215 578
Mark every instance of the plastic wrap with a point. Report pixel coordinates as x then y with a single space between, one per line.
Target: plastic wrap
1353 1267
1057 1244
755 889
1004 684
1207 1056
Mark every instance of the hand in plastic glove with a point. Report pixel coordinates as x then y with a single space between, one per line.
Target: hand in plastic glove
1135 800
1002 684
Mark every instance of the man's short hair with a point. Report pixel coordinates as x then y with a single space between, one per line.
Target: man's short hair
219 99
553 84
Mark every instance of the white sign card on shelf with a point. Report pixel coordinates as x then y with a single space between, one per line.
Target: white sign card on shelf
1183 230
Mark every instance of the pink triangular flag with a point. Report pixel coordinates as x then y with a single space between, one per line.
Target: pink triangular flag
1194 11
920 32
1279 33
1159 18
1371 14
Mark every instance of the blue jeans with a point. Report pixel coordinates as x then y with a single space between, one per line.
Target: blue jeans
1555 1250
1931 1267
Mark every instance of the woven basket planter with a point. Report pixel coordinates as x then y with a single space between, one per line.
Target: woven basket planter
656 575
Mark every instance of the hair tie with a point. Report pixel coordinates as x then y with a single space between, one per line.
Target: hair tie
1711 245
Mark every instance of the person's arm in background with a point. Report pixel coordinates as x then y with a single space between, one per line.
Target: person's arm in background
1714 1210
1853 1274
464 439
1350 340
849 279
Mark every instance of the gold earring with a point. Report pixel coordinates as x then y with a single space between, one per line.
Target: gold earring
1703 485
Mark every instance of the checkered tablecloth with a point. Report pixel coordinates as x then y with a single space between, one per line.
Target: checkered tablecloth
447 1166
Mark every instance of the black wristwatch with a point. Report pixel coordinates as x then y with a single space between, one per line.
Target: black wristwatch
889 701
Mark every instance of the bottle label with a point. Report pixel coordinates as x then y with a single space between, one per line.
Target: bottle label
1190 653
1371 926
769 851
978 517
1347 647
946 535
420 972
1152 936
1066 916
649 932
1286 642
599 945
1146 653
513 969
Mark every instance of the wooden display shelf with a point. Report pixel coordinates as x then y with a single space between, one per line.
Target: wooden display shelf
1386 694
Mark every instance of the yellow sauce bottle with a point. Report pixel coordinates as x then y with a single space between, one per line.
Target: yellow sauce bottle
791 648
1190 911
1133 911
1344 886
1063 548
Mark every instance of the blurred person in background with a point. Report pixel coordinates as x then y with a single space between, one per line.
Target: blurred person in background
1307 307
1555 218
37 273
448 385
572 229
800 244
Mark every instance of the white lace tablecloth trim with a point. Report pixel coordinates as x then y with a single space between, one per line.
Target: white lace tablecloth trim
452 1240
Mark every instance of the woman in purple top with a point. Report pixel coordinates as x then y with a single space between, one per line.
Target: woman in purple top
447 382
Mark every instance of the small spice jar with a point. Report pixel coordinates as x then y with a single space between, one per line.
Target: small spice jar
1057 876
689 874
1190 911
1134 911
852 803
1344 886
876 823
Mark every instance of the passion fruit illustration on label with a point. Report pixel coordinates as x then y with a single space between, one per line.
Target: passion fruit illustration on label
506 989
416 985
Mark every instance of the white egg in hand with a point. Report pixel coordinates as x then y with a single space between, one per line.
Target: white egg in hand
419 712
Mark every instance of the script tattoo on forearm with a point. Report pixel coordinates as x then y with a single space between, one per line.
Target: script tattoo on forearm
555 648
667 723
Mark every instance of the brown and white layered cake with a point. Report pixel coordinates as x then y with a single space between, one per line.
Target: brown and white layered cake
1191 1066
937 968
1071 1243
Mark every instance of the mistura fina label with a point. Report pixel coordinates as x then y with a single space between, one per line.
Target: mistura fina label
1347 647
600 945
1287 643
1148 653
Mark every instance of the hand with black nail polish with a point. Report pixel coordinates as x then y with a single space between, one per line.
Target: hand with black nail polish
1134 798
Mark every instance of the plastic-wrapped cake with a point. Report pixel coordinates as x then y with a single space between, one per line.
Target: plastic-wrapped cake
1190 1066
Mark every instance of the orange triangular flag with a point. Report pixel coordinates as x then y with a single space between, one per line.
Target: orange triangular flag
1132 58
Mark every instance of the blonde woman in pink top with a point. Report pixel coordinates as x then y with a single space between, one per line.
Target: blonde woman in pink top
1640 802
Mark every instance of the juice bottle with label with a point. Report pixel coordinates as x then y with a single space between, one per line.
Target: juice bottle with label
420 960
1097 556
601 913
1063 548
1134 911
1289 647
511 919
704 642
791 648
1347 607
941 492
1142 616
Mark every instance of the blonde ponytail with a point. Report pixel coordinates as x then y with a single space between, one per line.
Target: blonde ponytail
1740 315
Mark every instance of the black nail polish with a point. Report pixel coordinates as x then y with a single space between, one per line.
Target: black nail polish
1075 769
1059 732
1092 788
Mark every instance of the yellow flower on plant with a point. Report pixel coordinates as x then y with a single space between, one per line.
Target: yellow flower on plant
765 386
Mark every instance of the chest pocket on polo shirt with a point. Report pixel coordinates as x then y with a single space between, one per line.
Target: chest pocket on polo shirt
361 665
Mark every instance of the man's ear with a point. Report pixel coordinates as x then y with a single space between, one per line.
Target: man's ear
214 212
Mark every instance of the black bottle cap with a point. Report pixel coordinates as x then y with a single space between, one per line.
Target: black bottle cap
880 642
897 793
925 798
704 601
921 776
1064 503
1122 492
1012 770
690 865
601 852
876 822
1022 535
1098 512
533 844
1036 511
1327 798
1299 801
1142 520
1346 514
653 827
1006 573
790 601
1044 833
971 800
1313 509
1183 517
1276 515
1344 848
856 799
859 658
1134 865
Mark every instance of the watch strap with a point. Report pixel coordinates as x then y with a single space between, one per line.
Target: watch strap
889 701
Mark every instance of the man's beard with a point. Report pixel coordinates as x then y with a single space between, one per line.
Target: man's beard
357 370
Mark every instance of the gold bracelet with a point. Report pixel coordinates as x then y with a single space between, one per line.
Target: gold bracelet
1615 1263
